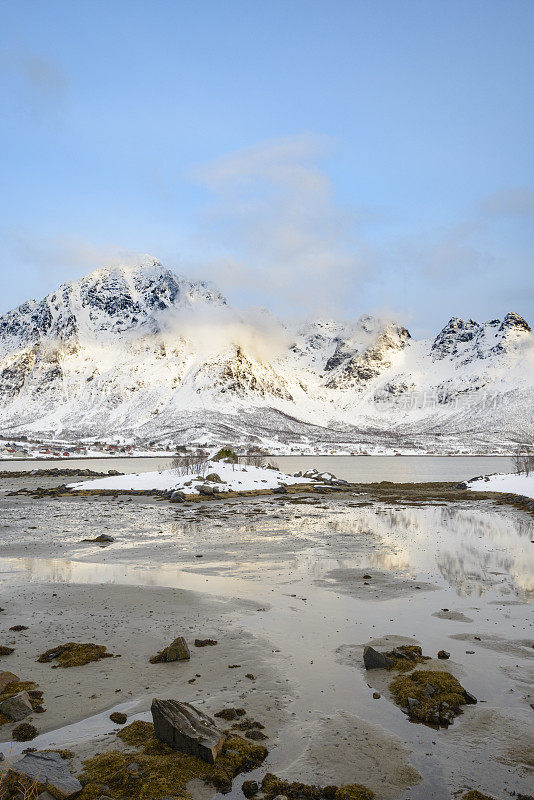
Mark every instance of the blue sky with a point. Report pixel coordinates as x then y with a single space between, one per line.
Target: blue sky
315 157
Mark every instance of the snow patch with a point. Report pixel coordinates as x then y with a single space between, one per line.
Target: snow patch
510 483
234 477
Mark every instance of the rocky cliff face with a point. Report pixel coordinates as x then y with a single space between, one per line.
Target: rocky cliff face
465 340
119 353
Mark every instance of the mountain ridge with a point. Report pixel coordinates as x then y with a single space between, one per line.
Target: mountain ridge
139 353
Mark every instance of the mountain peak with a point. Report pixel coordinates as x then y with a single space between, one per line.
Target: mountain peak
141 264
108 301
467 339
514 321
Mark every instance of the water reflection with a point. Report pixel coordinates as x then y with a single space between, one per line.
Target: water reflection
469 547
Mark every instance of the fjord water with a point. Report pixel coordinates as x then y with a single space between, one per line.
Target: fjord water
357 469
399 469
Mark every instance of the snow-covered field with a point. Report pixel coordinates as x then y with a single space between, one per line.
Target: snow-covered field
233 477
507 483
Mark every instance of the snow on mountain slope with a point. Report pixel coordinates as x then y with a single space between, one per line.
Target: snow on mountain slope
141 353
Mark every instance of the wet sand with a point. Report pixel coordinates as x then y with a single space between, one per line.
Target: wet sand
280 586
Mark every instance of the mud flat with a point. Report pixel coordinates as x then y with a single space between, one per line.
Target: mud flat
292 588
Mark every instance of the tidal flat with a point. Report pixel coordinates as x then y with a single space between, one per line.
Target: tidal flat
292 588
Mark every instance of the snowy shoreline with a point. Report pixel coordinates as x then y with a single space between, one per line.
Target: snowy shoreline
506 483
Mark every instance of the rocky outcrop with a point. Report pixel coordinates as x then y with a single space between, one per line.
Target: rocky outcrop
46 770
185 728
17 707
468 340
355 370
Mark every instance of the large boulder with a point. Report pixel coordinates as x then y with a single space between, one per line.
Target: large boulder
372 659
207 490
17 707
214 478
187 729
49 772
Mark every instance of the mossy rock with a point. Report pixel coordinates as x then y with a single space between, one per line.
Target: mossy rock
176 651
74 654
214 478
162 771
273 786
6 651
474 794
227 454
404 657
433 698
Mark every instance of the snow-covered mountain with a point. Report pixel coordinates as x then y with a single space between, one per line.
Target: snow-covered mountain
142 354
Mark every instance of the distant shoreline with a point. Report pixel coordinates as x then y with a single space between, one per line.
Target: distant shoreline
277 455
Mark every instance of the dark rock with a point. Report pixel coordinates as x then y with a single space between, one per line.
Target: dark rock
207 490
183 727
470 698
178 497
413 703
372 659
49 771
279 490
443 654
176 651
205 642
6 678
102 538
376 696
17 707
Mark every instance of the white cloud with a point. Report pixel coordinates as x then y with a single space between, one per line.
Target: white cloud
211 330
273 210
